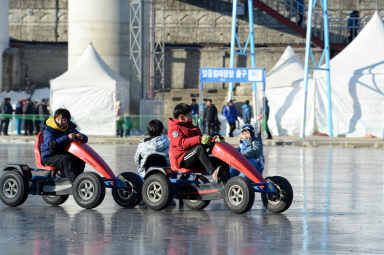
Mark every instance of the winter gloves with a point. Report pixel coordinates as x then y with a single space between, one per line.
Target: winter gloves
205 139
219 139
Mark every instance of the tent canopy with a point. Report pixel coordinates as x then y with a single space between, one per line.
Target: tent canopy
285 94
90 90
287 72
357 82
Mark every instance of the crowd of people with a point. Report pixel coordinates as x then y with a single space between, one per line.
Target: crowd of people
211 124
28 114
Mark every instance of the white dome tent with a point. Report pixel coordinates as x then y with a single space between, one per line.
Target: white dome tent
284 91
357 83
90 90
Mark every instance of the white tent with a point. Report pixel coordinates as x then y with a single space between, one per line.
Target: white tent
90 90
4 33
286 96
357 82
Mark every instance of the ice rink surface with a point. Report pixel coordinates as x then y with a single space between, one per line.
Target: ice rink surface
337 209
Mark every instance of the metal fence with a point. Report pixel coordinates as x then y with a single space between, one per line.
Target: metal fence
130 124
339 30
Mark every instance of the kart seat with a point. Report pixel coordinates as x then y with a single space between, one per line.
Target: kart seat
186 171
155 160
39 140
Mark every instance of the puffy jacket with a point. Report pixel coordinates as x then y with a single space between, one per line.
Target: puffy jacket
247 111
42 109
29 108
7 109
156 145
251 148
183 136
195 109
230 113
210 114
55 138
19 108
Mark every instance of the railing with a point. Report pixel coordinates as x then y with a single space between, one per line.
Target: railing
137 124
130 124
339 30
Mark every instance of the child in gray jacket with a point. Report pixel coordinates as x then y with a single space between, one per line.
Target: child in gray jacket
156 144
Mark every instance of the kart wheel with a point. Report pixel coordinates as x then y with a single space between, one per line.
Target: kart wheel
131 196
281 200
239 195
14 189
55 200
157 192
196 204
88 190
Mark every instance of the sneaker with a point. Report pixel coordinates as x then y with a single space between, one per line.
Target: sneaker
216 174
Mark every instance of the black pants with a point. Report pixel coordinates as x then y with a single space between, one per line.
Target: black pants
37 126
28 127
4 126
300 19
197 158
232 127
211 128
72 165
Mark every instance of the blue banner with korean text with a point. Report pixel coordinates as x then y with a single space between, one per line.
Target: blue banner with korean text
232 74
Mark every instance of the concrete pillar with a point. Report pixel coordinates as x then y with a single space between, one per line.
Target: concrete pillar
4 34
105 24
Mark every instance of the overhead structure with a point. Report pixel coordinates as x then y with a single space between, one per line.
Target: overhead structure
136 44
317 65
90 90
158 35
4 34
247 49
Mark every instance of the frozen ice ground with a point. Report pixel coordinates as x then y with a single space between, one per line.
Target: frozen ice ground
337 209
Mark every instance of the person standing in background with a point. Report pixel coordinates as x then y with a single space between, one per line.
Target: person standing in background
19 117
300 12
353 24
204 104
246 112
42 111
195 112
210 116
230 114
119 119
6 108
28 111
265 118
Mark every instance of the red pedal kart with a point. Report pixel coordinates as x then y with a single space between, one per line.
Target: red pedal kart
88 189
162 184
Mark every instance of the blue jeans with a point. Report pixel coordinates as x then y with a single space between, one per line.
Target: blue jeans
18 126
255 162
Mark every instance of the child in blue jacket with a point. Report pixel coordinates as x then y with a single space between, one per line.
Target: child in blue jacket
251 147
58 132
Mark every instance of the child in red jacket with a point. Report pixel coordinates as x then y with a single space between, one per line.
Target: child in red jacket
186 144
